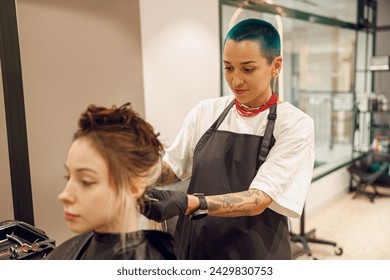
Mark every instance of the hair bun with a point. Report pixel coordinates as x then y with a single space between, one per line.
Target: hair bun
109 119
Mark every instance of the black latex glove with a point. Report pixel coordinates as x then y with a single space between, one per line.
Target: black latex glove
162 205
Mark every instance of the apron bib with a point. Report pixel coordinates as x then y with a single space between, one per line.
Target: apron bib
227 162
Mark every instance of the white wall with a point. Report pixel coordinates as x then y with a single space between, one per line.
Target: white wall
325 190
322 193
181 59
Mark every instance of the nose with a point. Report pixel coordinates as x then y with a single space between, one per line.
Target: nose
67 196
237 81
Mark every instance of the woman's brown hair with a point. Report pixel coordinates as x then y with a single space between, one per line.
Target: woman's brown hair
125 140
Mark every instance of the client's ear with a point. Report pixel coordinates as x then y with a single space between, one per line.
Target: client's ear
137 187
139 184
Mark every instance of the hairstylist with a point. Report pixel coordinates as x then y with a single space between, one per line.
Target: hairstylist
249 156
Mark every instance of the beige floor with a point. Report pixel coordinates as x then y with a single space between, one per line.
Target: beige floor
360 227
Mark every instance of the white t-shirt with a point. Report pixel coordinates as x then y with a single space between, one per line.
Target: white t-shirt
285 175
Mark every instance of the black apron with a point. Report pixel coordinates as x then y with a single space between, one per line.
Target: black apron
227 162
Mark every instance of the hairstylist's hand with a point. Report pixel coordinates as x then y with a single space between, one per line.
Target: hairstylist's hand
164 204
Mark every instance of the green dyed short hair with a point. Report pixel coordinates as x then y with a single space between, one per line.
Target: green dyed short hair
260 31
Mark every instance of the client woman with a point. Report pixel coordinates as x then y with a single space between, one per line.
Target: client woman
114 156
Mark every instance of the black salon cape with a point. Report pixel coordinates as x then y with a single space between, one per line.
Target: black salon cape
140 245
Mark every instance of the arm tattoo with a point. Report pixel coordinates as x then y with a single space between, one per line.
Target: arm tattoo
244 203
235 213
228 201
167 176
213 206
250 193
266 195
164 174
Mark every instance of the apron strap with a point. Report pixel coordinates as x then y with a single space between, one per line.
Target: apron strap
266 143
214 127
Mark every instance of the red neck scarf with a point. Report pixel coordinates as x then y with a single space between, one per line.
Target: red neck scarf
251 112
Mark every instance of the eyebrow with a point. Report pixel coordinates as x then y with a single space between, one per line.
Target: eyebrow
241 63
82 169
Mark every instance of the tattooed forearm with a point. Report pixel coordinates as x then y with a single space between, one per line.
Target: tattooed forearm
228 201
236 213
246 203
167 176
213 207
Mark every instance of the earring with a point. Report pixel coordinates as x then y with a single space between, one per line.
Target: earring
274 81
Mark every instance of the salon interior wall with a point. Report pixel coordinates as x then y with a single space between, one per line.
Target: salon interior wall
181 61
73 53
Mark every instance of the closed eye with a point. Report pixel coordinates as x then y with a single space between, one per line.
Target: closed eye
86 183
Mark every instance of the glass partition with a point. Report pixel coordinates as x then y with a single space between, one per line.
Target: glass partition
328 8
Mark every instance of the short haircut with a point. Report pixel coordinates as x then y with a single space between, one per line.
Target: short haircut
260 31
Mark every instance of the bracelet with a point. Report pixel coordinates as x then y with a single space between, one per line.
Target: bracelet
203 208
